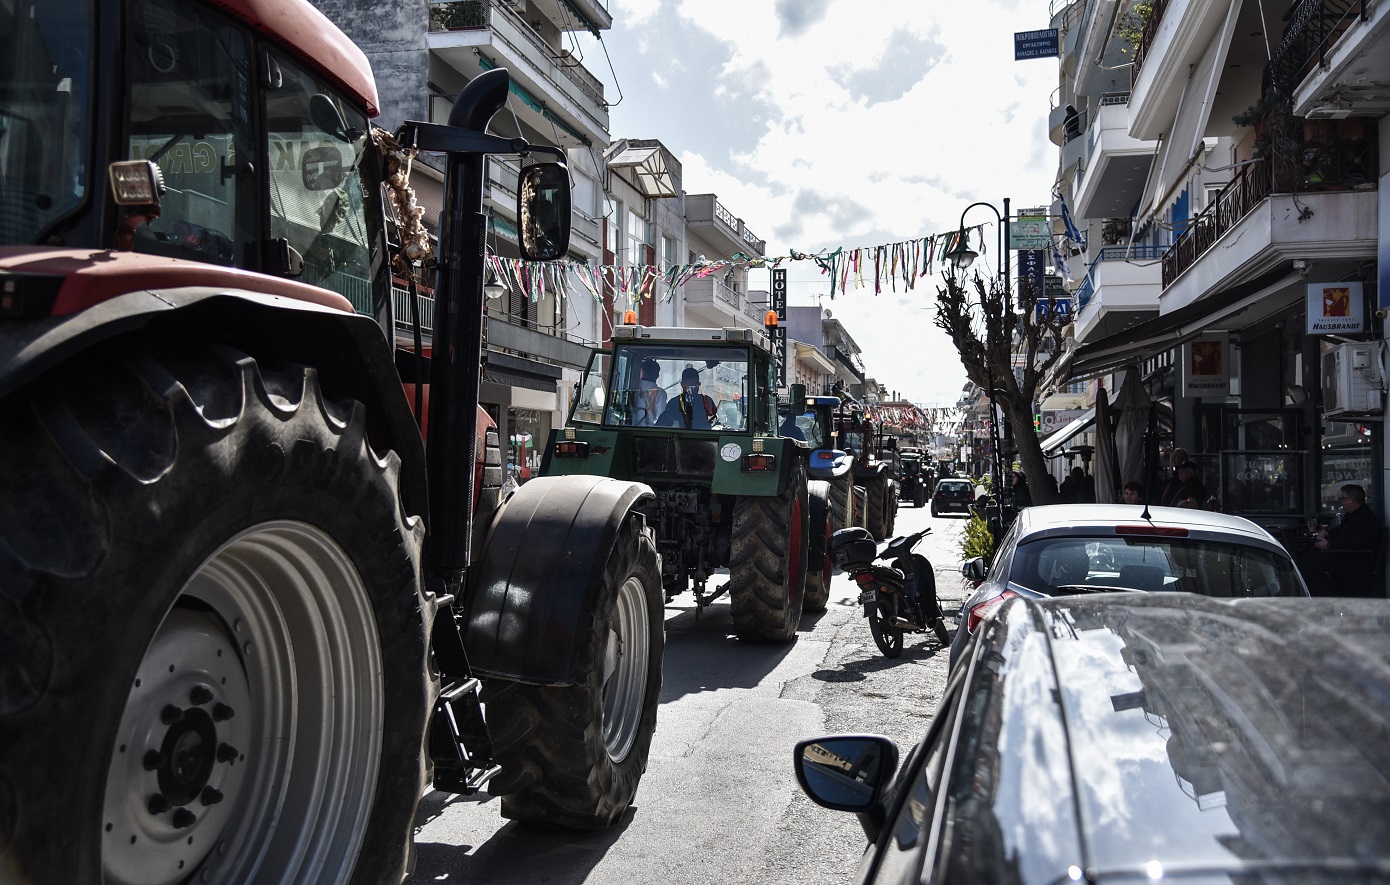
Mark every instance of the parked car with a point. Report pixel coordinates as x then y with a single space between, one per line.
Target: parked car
1065 549
952 495
1137 737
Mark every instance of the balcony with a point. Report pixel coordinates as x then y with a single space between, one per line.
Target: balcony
1256 223
1334 59
557 93
1113 178
718 227
1176 38
714 304
506 334
1121 289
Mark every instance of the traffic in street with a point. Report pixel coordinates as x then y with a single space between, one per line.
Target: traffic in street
719 802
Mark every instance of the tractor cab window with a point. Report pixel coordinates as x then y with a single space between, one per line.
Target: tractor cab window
191 110
45 113
682 386
319 202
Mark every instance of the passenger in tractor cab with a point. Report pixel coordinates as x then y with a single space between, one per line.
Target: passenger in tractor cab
651 399
692 409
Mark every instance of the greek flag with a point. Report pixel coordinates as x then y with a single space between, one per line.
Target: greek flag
1059 263
1073 232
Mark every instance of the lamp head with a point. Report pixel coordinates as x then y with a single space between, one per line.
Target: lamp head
961 255
492 286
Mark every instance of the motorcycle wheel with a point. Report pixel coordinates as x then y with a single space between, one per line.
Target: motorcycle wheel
938 627
887 637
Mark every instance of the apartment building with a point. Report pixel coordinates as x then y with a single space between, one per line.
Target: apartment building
422 55
1226 162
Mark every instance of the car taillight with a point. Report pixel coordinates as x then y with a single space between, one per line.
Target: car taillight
978 612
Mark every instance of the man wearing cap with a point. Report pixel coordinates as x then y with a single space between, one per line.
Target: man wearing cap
692 409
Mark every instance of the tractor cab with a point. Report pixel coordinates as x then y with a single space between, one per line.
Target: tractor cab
679 379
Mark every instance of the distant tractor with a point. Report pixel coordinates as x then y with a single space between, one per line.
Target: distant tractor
693 414
857 434
914 477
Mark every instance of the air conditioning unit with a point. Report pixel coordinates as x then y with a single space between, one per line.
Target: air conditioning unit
1351 380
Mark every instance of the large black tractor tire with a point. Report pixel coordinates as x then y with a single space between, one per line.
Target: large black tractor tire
572 756
216 639
876 518
818 563
919 495
767 568
841 503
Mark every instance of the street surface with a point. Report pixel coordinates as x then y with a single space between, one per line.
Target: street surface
719 802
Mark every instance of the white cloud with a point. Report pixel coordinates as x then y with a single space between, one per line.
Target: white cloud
845 123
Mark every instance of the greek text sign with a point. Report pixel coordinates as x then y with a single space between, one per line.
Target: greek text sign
1035 44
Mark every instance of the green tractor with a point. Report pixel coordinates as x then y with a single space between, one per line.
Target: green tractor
692 413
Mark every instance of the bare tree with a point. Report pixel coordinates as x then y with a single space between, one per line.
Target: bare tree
979 315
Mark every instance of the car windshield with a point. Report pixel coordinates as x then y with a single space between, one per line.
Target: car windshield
1209 568
45 114
954 487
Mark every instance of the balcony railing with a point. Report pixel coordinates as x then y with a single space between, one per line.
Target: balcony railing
1251 185
404 319
1326 156
1086 290
1147 37
1315 26
473 15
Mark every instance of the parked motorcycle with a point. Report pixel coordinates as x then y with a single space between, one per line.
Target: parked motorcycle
899 597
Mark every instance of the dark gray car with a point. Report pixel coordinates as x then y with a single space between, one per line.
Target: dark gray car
1138 737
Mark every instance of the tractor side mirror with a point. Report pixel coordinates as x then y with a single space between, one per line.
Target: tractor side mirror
797 394
543 211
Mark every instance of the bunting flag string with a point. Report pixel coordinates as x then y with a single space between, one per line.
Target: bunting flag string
906 261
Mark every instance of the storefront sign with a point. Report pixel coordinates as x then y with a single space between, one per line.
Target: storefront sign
1206 366
1035 44
1335 308
779 333
1029 233
1056 419
1031 269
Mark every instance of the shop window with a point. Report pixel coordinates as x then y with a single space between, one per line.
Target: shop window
528 430
1348 456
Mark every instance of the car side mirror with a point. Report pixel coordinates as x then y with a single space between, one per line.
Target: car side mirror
974 569
846 772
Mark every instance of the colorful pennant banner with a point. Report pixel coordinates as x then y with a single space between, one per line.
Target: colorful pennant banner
884 266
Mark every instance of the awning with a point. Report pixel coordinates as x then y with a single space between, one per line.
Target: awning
1236 308
513 371
654 179
1059 438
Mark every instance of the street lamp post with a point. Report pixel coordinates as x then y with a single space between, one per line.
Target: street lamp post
961 257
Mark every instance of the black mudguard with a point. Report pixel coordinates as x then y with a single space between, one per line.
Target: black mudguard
535 585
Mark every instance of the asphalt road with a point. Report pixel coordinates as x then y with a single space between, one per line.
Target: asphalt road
719 802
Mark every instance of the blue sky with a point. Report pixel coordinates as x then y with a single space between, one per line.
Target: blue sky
856 123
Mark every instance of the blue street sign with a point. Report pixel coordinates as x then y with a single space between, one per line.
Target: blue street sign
1062 306
1035 44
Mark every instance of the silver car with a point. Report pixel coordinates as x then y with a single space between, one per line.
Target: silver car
1069 549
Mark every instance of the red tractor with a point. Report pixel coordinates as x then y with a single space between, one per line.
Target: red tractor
247 610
